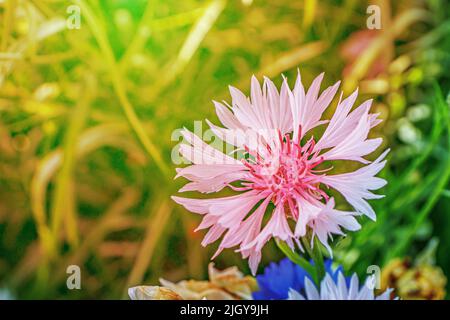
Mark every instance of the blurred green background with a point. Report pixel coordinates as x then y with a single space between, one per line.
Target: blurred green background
87 115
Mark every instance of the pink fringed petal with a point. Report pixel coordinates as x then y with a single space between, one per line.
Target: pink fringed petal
281 167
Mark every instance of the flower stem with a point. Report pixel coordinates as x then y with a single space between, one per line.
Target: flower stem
296 258
317 257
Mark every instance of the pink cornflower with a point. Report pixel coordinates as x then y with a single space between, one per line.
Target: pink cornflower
282 172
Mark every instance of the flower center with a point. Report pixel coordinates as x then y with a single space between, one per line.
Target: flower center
286 172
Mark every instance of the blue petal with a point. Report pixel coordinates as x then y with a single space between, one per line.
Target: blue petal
277 279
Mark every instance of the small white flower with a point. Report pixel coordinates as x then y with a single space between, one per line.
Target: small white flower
339 290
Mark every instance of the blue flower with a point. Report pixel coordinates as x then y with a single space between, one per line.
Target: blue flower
278 279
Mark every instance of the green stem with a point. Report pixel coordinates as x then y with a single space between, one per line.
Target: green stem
306 246
297 259
317 257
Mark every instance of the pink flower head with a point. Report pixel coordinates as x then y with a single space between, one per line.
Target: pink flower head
278 175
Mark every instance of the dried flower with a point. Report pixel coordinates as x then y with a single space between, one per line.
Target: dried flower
424 281
228 284
152 293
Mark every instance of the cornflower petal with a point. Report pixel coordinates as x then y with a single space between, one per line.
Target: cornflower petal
280 170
